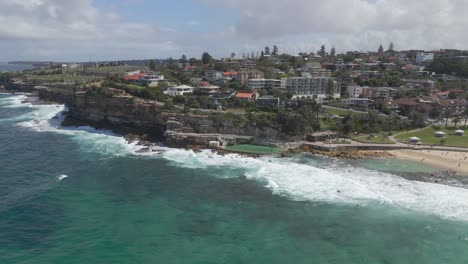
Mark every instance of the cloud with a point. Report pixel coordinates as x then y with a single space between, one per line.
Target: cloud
354 23
60 29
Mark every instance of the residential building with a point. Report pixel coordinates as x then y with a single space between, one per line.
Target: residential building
244 76
424 58
179 90
267 84
354 91
419 84
454 106
311 87
361 102
151 79
268 101
247 95
207 90
213 76
379 92
315 70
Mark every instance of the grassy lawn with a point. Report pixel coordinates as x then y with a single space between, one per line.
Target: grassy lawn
427 137
377 139
341 112
253 149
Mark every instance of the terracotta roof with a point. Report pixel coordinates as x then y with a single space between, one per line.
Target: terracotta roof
245 94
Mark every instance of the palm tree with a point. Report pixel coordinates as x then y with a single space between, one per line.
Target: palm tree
465 115
447 115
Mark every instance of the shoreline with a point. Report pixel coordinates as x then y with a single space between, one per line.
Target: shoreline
450 161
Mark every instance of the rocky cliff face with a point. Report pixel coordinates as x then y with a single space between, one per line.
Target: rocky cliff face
130 115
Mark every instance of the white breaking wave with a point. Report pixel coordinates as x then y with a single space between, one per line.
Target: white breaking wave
61 177
337 183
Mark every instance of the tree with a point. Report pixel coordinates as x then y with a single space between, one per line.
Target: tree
183 59
347 123
233 55
262 54
456 120
465 114
452 95
330 90
322 52
206 58
417 119
447 115
152 65
253 55
275 50
267 51
380 50
391 47
333 52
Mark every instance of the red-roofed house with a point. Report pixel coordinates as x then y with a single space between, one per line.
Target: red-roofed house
247 95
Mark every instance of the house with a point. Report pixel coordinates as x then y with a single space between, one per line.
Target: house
419 84
362 102
207 90
243 76
454 106
268 101
247 95
151 79
179 90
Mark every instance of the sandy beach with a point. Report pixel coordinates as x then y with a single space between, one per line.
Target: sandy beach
446 160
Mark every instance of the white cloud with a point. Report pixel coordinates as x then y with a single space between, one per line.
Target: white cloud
354 24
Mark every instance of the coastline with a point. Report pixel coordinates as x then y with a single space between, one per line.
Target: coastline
451 161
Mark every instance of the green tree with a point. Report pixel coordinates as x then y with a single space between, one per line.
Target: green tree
391 47
267 51
331 90
233 55
206 58
452 95
381 49
152 65
183 59
333 52
465 115
322 52
275 50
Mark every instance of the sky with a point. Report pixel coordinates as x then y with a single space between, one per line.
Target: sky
99 30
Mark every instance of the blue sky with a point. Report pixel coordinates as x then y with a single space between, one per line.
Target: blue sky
84 30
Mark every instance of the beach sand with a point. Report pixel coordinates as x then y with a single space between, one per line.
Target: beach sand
446 160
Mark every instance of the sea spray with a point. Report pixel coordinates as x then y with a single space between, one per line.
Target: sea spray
334 182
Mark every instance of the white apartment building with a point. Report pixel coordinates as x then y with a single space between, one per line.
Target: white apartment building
151 80
311 87
266 84
214 75
354 91
424 57
179 90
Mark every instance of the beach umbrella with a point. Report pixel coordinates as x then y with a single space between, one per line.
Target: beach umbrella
415 139
459 132
440 134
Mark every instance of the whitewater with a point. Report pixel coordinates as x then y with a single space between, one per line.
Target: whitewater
295 178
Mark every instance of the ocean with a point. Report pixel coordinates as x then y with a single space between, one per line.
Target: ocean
5 67
78 195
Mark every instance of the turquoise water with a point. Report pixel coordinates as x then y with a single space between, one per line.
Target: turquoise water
84 196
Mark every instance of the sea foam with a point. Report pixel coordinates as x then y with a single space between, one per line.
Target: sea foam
336 182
